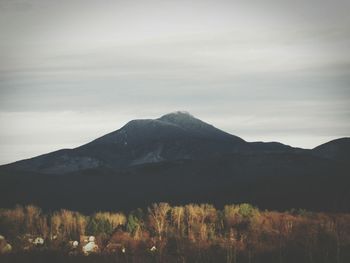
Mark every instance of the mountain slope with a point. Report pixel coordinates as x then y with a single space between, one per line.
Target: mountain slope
269 180
180 159
174 136
338 149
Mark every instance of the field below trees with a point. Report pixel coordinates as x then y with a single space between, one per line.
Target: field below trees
164 233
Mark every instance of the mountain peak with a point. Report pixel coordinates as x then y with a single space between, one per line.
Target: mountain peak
184 120
177 115
189 123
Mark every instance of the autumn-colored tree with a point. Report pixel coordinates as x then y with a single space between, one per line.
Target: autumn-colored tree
42 226
341 232
177 219
32 214
107 222
158 218
69 224
238 233
207 219
81 222
55 225
114 219
12 221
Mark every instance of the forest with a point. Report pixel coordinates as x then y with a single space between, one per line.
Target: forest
238 233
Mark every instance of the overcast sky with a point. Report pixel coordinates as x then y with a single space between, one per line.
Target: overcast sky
264 70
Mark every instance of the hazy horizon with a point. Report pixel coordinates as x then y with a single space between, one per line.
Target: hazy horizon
262 70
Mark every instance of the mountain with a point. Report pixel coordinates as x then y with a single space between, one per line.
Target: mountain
175 136
179 159
338 149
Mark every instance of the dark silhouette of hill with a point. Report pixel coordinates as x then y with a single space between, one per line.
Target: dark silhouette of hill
175 136
180 159
338 149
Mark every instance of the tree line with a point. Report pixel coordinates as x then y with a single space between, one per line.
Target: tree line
189 233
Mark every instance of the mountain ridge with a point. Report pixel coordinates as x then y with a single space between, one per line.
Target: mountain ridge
179 126
173 136
180 159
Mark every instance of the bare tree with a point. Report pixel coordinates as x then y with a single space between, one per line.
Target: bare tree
158 215
177 218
